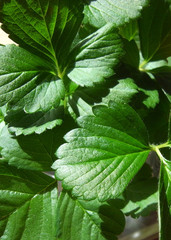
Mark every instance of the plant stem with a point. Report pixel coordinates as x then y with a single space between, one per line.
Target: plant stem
141 66
157 148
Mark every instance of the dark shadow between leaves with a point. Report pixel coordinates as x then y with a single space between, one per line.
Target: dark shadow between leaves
91 95
113 220
107 216
37 151
87 2
165 81
21 119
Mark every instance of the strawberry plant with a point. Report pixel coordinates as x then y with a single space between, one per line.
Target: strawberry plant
85 96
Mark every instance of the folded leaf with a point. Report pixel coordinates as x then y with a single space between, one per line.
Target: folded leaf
95 57
104 154
28 202
163 76
100 12
162 109
97 220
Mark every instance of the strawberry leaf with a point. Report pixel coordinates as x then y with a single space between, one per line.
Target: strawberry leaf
108 150
100 12
96 220
95 57
28 204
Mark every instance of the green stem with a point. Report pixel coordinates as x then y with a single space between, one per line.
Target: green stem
163 145
141 66
65 105
157 148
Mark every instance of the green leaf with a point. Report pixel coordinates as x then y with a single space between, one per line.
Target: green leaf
169 124
96 220
2 114
28 205
95 57
127 90
28 82
81 101
155 34
43 26
163 75
131 57
100 12
104 154
23 123
165 203
162 109
152 97
77 106
33 152
129 30
122 92
142 194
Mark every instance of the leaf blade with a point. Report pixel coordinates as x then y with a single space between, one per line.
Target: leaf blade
95 57
30 194
164 203
28 84
106 156
100 12
96 220
41 26
155 35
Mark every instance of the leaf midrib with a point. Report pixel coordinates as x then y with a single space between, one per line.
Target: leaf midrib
25 16
89 216
113 140
52 51
112 158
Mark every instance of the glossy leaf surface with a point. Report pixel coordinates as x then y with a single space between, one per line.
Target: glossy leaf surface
95 57
28 205
108 151
28 82
100 12
96 220
33 152
42 26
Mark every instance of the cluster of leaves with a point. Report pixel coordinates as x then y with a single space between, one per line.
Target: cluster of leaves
98 73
